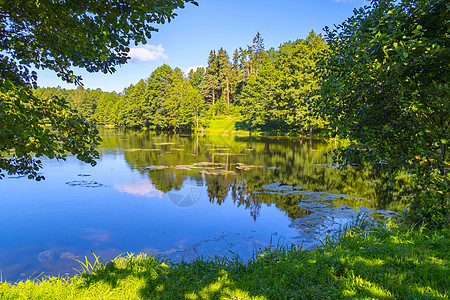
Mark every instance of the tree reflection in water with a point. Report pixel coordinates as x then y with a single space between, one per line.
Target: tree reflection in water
237 167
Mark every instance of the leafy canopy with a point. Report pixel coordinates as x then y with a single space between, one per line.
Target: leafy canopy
280 95
59 35
385 87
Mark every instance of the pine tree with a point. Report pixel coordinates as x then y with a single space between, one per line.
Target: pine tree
224 72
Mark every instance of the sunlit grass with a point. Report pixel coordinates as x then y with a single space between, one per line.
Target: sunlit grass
372 261
224 125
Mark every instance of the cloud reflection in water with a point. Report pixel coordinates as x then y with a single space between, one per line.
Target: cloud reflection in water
142 188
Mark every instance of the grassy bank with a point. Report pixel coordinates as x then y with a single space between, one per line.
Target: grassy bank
223 125
234 125
385 261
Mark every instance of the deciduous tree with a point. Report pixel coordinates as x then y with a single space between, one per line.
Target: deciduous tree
59 35
385 86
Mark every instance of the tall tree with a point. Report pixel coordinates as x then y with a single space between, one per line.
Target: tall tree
197 80
158 92
197 77
224 72
134 110
257 52
106 110
298 84
211 79
279 97
258 97
184 102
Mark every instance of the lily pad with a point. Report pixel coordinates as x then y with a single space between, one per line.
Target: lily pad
133 150
153 168
85 183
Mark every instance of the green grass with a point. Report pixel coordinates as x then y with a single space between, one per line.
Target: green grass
224 124
227 123
368 262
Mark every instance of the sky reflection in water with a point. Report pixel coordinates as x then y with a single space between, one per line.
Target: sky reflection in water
173 196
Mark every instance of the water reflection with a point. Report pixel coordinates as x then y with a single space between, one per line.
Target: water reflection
142 188
238 166
179 197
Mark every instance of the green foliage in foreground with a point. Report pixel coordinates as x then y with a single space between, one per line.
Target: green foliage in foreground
385 86
385 261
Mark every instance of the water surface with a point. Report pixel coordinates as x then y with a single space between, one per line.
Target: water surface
179 197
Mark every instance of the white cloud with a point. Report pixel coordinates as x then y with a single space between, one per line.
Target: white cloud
147 53
186 72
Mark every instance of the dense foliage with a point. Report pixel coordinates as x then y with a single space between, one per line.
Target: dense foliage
279 97
385 86
164 101
49 127
60 35
269 90
381 82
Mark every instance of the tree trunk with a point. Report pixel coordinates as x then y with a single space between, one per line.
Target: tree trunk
196 119
214 100
228 92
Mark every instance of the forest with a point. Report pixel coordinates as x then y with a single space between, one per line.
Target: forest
377 82
276 86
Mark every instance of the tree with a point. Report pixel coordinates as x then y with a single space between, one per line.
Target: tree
279 97
134 109
224 72
211 81
257 52
196 77
297 83
159 85
385 87
43 127
258 96
104 112
59 35
184 102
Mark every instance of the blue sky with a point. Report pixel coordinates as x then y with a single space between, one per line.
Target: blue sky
187 40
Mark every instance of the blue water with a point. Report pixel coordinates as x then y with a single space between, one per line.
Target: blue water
118 207
46 225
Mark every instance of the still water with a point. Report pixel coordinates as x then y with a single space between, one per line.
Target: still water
179 197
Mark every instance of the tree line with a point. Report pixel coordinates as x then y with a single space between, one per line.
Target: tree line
277 88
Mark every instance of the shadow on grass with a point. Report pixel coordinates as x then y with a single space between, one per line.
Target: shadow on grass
381 262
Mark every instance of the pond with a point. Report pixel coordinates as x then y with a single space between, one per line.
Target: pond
179 197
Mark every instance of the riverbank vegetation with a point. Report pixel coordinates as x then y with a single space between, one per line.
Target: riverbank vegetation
380 80
381 261
384 86
266 90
